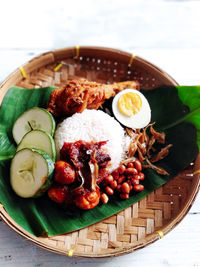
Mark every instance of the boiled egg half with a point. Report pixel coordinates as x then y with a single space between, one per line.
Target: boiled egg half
131 108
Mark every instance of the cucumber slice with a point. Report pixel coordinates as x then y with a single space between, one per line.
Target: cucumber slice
34 118
31 173
40 140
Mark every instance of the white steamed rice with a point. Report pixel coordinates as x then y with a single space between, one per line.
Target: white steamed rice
94 125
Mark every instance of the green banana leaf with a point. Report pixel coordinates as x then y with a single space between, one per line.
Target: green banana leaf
176 110
190 96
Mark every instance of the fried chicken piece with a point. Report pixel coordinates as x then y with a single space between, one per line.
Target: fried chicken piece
81 94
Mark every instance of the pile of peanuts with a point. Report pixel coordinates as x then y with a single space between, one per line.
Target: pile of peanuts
123 180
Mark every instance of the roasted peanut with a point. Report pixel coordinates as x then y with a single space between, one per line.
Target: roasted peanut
130 184
121 169
115 174
121 179
108 179
136 176
138 165
124 196
135 181
141 175
118 188
104 198
130 171
125 188
113 184
138 187
130 165
109 190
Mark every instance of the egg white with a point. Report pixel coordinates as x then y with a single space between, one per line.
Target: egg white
137 121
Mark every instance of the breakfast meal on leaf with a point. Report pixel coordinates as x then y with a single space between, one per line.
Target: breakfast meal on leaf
82 153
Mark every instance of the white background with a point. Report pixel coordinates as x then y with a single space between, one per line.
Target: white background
167 33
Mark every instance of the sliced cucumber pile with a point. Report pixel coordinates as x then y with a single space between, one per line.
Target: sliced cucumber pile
40 140
34 118
31 172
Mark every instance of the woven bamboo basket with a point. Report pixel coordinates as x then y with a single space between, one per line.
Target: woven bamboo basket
153 216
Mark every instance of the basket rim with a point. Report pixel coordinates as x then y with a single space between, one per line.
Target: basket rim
52 57
141 244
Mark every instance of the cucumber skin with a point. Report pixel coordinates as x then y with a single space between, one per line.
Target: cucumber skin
51 140
50 173
49 179
52 119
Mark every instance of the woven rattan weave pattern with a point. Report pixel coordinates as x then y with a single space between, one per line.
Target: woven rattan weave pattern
149 219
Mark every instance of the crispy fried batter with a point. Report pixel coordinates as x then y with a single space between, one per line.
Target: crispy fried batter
81 94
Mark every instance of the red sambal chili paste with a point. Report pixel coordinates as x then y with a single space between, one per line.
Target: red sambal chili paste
81 167
80 153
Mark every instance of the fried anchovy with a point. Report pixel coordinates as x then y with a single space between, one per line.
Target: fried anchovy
160 137
142 147
140 155
133 146
150 145
161 154
126 161
154 167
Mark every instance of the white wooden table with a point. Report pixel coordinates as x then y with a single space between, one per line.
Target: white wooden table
167 33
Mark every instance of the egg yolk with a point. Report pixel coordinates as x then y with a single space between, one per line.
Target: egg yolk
129 104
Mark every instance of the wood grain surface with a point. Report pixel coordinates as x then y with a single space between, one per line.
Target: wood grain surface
164 32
